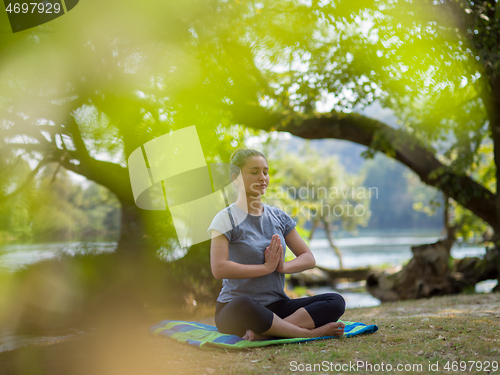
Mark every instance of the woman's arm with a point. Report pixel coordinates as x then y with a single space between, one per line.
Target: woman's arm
304 257
223 268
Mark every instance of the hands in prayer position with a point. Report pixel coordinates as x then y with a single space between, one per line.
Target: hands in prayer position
274 255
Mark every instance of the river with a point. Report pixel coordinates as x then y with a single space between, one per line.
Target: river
391 248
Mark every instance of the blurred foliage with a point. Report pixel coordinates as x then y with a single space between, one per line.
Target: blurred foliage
97 88
55 208
85 90
434 63
466 225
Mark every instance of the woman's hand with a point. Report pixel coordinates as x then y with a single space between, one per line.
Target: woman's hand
273 254
223 268
281 265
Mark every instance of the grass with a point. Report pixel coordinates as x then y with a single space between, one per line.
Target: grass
433 332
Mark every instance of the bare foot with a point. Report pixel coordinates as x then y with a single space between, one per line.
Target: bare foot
249 335
329 329
252 336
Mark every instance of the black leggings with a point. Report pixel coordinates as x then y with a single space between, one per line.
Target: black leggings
242 313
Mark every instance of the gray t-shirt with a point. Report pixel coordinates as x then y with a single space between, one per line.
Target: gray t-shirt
248 239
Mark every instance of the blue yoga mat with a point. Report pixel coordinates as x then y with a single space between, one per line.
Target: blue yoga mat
206 336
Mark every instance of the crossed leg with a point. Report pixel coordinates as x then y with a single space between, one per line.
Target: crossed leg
303 317
299 324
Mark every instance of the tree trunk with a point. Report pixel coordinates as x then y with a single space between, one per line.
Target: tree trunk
330 241
429 274
450 230
406 148
133 234
492 103
313 228
475 269
426 275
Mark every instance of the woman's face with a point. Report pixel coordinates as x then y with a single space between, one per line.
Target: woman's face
255 175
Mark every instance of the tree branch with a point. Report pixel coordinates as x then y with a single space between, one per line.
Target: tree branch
26 182
397 143
30 147
77 139
114 177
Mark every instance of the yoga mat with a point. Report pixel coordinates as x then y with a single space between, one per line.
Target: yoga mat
206 336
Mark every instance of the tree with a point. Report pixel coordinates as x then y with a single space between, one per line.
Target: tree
435 64
82 92
94 88
404 55
86 96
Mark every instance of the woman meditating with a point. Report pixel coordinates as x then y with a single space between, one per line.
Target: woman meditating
249 240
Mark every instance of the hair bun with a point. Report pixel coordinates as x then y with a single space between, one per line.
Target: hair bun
234 154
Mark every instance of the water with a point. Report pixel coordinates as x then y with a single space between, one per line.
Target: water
377 251
390 249
17 256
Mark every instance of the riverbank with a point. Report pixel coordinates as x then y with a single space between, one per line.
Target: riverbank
433 332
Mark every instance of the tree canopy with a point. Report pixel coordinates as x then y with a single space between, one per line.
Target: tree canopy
86 89
435 64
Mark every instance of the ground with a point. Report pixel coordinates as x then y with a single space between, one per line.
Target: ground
421 335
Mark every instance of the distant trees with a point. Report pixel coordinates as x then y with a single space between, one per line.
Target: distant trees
55 208
316 189
399 193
